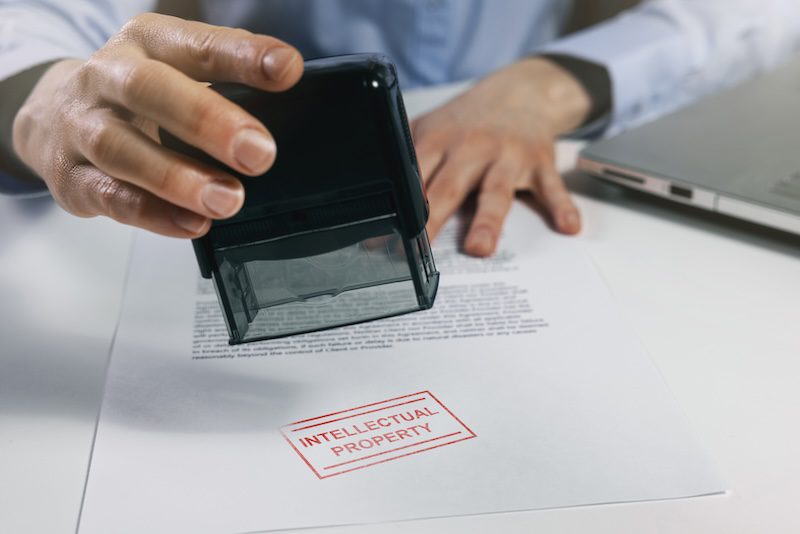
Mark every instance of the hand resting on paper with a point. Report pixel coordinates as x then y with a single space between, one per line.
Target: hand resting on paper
496 139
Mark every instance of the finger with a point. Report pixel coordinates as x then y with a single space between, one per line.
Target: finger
189 110
214 53
429 160
92 192
430 154
449 187
120 150
494 202
552 193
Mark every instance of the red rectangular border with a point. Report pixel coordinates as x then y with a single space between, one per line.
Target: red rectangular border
314 421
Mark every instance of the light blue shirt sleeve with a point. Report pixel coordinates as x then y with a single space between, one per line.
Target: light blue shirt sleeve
36 32
661 55
665 54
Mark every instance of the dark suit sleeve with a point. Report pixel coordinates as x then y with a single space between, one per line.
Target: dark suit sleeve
15 176
596 80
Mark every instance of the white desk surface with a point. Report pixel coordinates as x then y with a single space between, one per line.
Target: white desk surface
716 302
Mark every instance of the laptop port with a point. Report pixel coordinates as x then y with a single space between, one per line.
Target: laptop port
683 192
624 176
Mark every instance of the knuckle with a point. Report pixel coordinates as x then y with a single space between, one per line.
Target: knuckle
69 204
205 48
69 120
491 219
138 79
61 182
554 185
90 71
529 160
107 192
244 42
480 140
493 204
68 187
205 115
135 206
209 47
65 197
543 152
517 150
554 194
171 174
493 207
450 193
118 201
547 190
137 24
547 176
502 186
246 47
103 142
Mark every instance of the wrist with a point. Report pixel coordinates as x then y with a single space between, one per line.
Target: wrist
594 78
35 115
564 99
14 92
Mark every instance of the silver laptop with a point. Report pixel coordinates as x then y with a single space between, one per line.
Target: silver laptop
736 153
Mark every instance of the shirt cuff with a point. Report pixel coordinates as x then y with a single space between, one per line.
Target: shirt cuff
596 81
15 177
11 185
13 63
646 57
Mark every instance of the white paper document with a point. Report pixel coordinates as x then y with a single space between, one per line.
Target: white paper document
519 390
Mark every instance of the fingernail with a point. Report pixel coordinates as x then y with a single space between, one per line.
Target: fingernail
222 200
277 62
481 242
188 220
254 150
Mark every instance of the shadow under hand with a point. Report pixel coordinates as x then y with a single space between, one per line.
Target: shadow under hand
21 213
199 396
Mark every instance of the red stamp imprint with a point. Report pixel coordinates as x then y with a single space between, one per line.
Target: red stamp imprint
359 437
